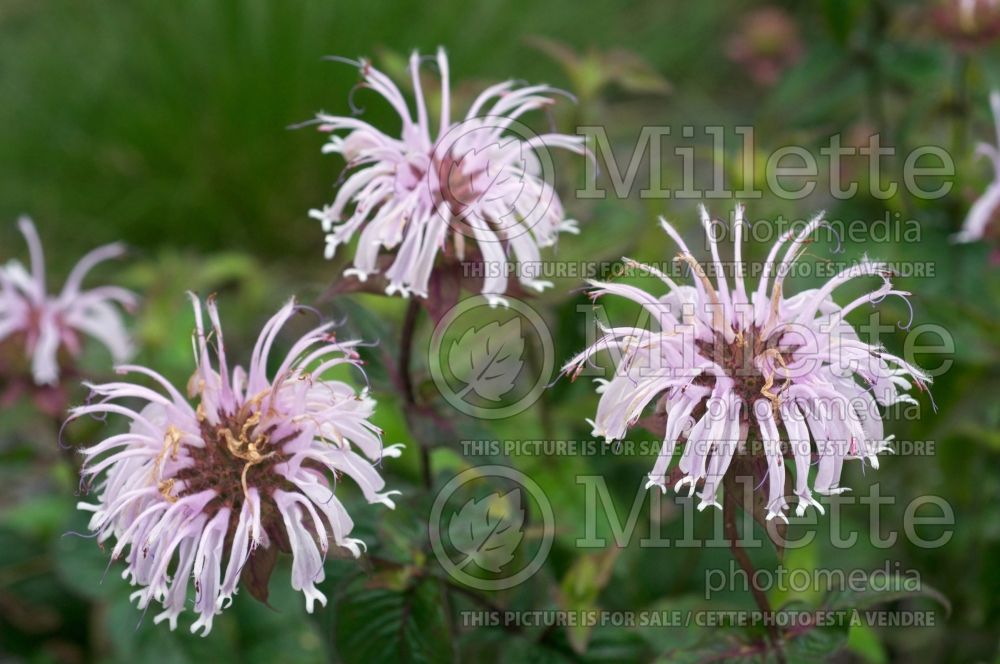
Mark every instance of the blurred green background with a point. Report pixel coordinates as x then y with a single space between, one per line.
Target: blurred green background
166 125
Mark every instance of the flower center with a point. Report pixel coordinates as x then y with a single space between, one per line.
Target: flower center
238 453
738 360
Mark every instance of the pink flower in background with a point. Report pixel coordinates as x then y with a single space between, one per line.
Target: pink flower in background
47 324
483 179
766 44
967 24
987 207
207 491
731 368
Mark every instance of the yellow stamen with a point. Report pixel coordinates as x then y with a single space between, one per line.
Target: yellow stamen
171 446
245 448
769 378
165 487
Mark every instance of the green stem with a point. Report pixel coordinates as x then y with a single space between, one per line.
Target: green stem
729 511
406 381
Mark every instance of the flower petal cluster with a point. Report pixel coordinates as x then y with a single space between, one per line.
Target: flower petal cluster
194 491
730 368
484 179
47 324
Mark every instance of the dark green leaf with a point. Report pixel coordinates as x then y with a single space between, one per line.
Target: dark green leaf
379 625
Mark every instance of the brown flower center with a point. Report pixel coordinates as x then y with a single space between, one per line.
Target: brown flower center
238 454
737 360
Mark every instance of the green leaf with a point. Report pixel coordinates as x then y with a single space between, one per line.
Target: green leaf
665 638
634 74
885 588
379 625
580 588
863 641
617 644
805 558
593 70
524 651
818 643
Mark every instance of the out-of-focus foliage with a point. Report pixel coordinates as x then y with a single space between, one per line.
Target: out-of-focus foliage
166 125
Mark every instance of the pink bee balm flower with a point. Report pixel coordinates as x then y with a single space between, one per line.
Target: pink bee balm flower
728 366
484 178
197 491
987 207
50 323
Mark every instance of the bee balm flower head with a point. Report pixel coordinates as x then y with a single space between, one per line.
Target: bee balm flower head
47 324
438 187
193 491
729 367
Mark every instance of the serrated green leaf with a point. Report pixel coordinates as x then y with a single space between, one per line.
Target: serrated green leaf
889 588
379 625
